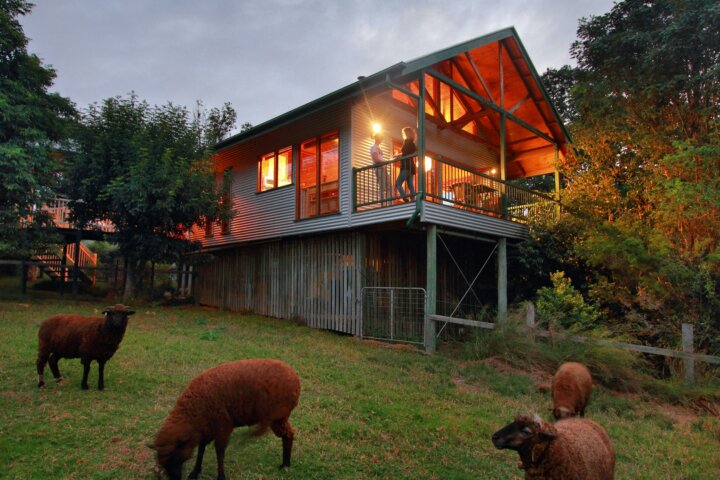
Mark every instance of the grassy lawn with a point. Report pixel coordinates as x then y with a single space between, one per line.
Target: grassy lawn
366 411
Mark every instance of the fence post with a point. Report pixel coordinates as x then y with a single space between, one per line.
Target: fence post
430 341
687 344
23 277
530 320
392 314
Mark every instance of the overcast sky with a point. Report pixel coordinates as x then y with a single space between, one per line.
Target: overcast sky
269 56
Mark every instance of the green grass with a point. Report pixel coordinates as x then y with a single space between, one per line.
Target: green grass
365 411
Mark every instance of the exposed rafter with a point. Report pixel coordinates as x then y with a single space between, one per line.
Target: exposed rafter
479 77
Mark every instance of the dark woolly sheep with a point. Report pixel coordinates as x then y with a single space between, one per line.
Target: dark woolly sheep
73 336
571 389
258 392
572 449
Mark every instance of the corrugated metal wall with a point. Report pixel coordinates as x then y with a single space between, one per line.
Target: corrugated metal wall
454 217
316 279
271 214
319 279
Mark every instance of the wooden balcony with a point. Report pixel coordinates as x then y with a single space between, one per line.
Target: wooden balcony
452 185
60 212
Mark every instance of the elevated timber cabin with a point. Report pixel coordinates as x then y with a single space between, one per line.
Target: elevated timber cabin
316 222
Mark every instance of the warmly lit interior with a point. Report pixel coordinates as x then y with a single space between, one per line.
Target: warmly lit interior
275 169
318 166
479 70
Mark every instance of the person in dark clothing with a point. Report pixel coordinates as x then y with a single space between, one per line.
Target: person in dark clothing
407 165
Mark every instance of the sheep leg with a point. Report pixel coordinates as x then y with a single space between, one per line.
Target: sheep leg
86 372
198 462
101 375
282 429
53 362
41 361
221 443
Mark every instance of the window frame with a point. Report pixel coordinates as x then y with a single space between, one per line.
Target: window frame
318 139
276 155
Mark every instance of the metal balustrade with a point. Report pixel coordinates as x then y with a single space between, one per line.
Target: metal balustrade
454 184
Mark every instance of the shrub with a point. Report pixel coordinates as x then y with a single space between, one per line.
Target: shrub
511 341
562 305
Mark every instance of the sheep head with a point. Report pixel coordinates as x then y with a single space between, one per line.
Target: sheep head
528 434
174 445
117 316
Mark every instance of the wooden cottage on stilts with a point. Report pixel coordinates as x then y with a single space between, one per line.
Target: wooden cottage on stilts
321 233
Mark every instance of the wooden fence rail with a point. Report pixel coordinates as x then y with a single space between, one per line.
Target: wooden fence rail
688 356
185 274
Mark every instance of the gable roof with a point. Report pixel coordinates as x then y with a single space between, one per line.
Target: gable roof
474 56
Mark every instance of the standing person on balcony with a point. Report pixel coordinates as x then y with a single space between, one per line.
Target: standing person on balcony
407 165
383 180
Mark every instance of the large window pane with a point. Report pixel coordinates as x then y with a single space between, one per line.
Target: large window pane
307 183
284 167
329 174
266 172
318 187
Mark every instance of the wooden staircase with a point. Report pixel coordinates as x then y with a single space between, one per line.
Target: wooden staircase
51 264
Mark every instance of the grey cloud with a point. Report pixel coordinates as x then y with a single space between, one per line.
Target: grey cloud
267 57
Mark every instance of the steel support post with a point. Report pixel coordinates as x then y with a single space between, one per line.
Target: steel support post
502 304
431 289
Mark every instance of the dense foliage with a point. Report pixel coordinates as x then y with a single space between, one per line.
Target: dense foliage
641 237
147 170
32 121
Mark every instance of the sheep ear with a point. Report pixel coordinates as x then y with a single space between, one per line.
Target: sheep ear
130 312
548 432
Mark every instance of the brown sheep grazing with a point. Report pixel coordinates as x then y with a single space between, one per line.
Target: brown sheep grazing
259 392
571 389
572 449
73 336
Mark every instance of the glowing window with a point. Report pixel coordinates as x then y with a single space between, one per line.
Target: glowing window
318 187
275 169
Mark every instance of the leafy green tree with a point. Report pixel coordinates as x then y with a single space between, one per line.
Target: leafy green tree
148 170
643 106
31 122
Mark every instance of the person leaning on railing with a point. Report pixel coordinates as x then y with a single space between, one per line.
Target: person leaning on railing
383 180
407 165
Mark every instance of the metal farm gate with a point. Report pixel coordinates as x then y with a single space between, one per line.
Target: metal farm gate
394 313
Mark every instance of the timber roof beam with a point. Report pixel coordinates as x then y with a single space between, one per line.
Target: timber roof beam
490 105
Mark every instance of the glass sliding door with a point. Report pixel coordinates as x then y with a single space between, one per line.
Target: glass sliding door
318 190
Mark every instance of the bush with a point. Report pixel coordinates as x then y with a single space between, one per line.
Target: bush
613 368
564 306
511 341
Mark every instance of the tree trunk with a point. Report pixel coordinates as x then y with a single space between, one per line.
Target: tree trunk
134 270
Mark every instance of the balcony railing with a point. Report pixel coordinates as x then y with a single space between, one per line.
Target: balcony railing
59 210
453 184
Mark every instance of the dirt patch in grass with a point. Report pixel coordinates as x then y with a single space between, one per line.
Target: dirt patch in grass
135 458
393 346
682 417
541 378
462 385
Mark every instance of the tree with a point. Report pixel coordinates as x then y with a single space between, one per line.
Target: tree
644 106
148 170
31 121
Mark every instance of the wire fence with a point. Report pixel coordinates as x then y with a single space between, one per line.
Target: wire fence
28 276
394 313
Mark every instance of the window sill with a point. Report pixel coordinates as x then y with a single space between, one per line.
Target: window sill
275 189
